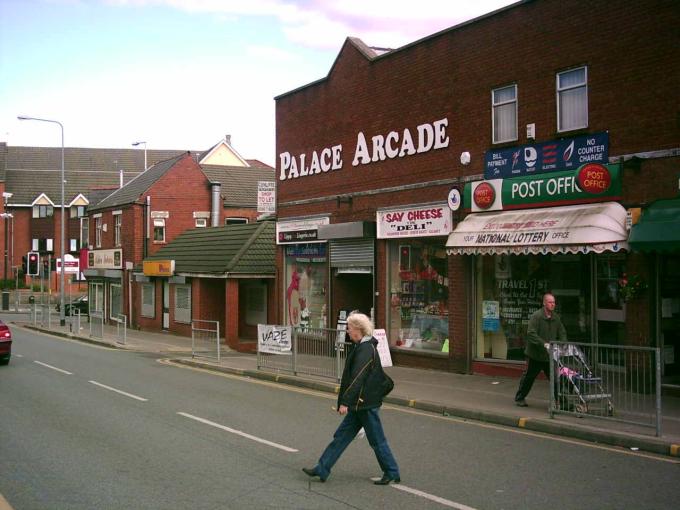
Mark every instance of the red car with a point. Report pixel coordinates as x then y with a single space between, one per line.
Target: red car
5 343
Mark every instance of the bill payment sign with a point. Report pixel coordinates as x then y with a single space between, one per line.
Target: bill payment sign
266 196
274 339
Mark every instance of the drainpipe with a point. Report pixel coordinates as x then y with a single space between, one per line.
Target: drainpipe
215 204
147 213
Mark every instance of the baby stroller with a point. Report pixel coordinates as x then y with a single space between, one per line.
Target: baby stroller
578 389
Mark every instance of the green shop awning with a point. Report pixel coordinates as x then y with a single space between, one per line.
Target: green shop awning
658 228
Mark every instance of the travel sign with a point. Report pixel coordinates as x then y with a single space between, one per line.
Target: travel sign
556 155
591 182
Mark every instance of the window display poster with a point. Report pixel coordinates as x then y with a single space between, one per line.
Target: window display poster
383 347
491 316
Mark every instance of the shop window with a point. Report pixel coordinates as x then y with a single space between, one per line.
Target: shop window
96 300
419 293
148 300
159 230
504 105
509 288
116 300
572 99
183 303
306 281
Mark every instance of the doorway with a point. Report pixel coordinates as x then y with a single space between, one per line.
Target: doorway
668 317
352 291
166 304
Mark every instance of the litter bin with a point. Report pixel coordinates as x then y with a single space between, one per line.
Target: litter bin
5 300
31 299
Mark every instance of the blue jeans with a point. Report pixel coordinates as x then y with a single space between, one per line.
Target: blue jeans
369 419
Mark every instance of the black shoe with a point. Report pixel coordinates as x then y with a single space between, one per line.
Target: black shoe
521 403
386 480
312 472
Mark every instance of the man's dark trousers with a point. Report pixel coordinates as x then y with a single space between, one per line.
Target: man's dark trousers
534 367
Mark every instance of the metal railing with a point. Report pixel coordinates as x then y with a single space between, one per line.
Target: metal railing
314 351
205 339
97 324
610 382
121 328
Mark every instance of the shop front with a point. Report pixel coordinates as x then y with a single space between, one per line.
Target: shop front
305 272
529 243
105 277
417 277
657 236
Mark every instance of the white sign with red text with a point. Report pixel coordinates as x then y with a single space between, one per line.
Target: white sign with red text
420 221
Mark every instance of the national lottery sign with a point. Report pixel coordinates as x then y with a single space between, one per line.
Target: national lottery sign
565 154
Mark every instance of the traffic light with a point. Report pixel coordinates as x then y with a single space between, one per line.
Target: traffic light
33 263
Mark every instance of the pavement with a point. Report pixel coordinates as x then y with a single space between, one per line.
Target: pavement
483 398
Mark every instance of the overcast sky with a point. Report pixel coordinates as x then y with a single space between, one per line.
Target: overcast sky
181 74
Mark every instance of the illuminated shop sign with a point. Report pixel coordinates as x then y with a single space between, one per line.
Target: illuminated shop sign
538 158
299 231
378 147
589 183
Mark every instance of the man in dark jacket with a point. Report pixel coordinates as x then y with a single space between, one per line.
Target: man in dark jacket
359 401
545 326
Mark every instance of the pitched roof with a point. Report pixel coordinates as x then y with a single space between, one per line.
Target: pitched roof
30 171
136 187
239 184
248 249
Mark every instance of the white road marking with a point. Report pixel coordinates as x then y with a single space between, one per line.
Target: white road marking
18 355
118 391
431 497
53 368
239 433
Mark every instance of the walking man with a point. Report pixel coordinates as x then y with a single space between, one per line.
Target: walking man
545 326
359 401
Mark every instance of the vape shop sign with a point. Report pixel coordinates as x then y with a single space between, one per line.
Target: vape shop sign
420 221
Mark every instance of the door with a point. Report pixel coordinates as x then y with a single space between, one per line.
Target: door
610 311
668 317
166 304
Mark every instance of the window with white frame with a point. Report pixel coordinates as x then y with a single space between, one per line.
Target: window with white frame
98 232
201 222
43 211
117 223
159 230
235 221
183 303
77 211
84 232
148 300
73 245
504 118
572 99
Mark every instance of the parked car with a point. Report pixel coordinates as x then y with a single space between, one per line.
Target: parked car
5 343
80 304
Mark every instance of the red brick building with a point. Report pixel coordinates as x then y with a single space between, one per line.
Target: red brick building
527 95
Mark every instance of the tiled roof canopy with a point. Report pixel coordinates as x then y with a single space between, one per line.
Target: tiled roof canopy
232 250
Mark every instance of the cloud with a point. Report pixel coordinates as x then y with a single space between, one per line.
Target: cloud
324 24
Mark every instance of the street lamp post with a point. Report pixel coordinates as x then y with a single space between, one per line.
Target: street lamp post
62 316
135 144
6 195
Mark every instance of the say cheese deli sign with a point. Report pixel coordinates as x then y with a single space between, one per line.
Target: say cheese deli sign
428 220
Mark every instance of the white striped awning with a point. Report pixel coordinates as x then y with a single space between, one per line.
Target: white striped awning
582 228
